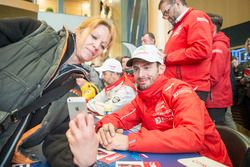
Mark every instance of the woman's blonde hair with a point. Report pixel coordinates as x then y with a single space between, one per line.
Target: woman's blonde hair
92 22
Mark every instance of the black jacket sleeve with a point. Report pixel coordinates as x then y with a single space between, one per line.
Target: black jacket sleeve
56 148
14 29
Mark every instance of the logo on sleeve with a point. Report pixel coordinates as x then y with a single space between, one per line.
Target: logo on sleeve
157 120
202 19
183 91
116 99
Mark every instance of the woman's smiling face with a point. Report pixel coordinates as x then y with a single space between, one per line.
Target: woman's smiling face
90 46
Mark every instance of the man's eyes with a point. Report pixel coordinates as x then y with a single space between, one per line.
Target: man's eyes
144 68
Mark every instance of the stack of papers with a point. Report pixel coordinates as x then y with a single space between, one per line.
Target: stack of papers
200 162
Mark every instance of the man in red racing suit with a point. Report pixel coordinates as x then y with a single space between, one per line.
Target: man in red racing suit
189 48
173 118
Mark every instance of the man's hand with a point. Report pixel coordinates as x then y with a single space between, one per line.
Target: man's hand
110 137
105 134
119 142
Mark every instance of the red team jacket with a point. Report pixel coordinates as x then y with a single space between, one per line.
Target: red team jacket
174 120
221 89
188 50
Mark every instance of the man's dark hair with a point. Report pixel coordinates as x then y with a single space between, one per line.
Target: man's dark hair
170 2
150 34
217 20
125 57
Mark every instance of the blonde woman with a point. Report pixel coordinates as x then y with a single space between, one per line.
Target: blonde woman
36 55
92 38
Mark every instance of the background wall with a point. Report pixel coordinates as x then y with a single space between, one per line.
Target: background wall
17 8
43 5
69 21
73 7
233 11
157 25
116 17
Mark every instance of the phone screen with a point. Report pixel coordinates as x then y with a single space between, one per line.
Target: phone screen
75 106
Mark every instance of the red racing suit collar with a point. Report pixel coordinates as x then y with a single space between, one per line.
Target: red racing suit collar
152 91
116 83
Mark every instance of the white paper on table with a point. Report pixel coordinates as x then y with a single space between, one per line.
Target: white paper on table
200 162
129 163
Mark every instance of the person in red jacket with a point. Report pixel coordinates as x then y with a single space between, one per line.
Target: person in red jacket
221 89
188 50
173 118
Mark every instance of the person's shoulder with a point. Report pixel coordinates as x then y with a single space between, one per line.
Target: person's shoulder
127 89
175 87
174 84
176 81
21 20
198 15
196 19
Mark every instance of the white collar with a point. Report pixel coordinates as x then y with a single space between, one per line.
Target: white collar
181 15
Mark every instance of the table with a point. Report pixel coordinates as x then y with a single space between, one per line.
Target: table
166 160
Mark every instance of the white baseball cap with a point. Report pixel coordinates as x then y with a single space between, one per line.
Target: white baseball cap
110 64
149 53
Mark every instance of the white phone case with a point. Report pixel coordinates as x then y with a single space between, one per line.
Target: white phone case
75 106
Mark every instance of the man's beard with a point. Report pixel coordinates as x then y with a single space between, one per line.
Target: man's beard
173 20
142 87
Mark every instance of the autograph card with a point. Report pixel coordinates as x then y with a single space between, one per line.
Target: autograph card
129 164
137 164
200 162
111 158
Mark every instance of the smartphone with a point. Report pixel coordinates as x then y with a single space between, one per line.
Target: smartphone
76 105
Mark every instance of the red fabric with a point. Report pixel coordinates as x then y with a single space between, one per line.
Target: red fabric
221 89
246 72
131 77
188 50
129 80
174 120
